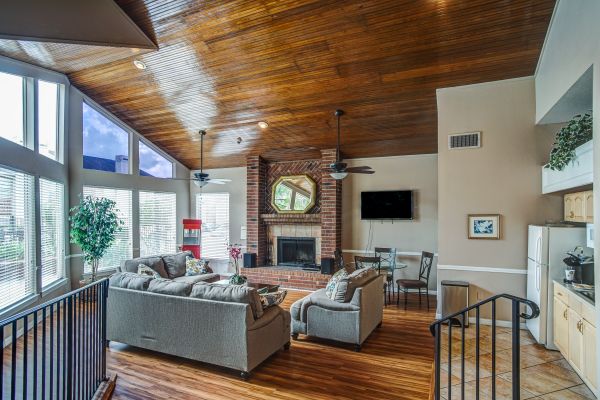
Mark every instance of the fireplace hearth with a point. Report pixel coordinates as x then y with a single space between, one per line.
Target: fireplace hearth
296 251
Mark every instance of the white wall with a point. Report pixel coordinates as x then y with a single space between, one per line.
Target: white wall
237 204
502 177
415 172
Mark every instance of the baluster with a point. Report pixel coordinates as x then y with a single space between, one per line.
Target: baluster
450 358
462 356
58 376
1 359
88 337
104 344
25 374
80 348
516 353
35 354
437 360
477 353
44 353
51 388
69 370
494 349
13 365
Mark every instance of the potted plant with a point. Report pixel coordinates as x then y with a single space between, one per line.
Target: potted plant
577 132
235 253
94 225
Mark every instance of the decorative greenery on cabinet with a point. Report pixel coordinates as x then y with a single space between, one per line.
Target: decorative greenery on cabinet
577 132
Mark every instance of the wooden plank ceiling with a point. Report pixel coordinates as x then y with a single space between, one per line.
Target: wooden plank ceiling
225 65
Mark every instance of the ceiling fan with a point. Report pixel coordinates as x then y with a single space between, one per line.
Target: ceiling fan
200 178
339 170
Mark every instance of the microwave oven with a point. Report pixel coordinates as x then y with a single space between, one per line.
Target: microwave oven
589 230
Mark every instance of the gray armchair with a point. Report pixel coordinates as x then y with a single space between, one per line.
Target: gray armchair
350 322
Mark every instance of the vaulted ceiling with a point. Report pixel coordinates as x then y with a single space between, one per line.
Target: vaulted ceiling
223 66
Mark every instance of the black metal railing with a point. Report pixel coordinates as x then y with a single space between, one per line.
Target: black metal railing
56 350
461 317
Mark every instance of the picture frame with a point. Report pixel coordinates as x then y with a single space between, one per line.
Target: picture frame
484 226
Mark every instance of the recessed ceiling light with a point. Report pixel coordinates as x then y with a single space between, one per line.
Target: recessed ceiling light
139 64
263 124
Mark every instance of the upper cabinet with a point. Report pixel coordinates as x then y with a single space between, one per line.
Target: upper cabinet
579 172
579 207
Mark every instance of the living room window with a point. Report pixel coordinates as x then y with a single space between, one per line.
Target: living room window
213 210
12 108
105 144
122 248
152 163
52 226
158 223
48 118
17 237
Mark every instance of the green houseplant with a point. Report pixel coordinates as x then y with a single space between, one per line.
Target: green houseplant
577 132
94 225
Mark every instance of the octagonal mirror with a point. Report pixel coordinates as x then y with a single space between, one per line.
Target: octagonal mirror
294 194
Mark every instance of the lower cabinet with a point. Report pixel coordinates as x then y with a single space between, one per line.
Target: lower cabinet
575 336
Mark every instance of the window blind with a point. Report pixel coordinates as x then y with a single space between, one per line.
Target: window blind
17 233
213 210
122 248
158 223
52 228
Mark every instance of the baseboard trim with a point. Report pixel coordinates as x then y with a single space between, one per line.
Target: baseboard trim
515 271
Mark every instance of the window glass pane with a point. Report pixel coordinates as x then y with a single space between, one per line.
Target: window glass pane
105 144
158 223
17 250
11 108
52 231
122 248
48 119
213 210
153 164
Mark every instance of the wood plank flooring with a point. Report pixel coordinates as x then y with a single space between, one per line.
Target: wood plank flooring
395 363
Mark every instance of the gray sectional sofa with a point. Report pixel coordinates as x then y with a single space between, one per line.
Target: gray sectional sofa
218 324
351 318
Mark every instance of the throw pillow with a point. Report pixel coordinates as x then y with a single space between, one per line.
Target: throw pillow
273 298
196 266
342 273
143 269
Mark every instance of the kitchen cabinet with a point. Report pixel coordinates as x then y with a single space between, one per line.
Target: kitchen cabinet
561 325
574 325
579 206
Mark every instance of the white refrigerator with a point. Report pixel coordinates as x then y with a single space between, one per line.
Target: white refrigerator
547 247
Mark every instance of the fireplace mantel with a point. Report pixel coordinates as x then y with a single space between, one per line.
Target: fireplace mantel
289 219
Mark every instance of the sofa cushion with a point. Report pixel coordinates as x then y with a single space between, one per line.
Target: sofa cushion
143 269
319 298
345 287
270 299
170 287
330 288
195 266
229 293
130 280
156 263
175 263
197 278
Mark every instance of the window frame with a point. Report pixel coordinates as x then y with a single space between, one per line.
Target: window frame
161 153
60 119
199 216
140 218
49 286
130 133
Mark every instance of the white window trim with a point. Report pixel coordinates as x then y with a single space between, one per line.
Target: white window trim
160 152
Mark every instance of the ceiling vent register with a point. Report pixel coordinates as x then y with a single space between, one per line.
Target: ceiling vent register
470 140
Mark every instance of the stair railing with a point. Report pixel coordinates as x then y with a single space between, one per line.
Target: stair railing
56 350
461 317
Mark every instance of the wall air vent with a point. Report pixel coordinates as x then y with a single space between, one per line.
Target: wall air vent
469 140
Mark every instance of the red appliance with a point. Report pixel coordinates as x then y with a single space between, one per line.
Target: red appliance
191 236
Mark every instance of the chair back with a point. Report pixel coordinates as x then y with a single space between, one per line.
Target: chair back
425 269
387 256
366 262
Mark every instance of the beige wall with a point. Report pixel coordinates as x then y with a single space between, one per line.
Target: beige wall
418 173
502 177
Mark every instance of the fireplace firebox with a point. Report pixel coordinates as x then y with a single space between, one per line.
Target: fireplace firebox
296 251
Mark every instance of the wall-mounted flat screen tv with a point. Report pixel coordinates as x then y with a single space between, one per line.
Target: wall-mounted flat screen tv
395 204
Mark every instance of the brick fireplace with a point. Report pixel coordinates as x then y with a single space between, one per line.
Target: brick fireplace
321 224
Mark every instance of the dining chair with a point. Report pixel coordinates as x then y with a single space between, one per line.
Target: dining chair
422 283
388 263
371 262
338 259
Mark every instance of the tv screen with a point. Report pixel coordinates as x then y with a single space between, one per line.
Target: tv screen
397 204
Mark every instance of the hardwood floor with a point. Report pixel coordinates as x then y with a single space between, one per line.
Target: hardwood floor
395 363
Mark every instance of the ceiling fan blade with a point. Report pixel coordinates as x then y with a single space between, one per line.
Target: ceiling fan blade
362 171
362 168
215 180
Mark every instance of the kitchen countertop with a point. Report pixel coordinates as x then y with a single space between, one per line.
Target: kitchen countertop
571 289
